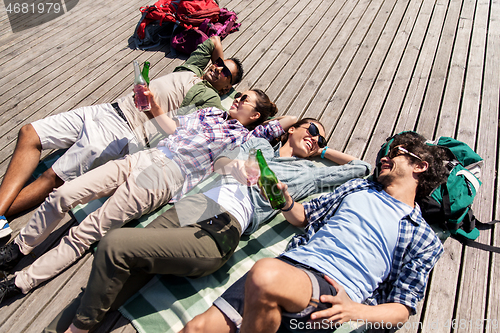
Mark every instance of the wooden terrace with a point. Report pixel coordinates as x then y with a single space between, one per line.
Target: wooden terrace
365 68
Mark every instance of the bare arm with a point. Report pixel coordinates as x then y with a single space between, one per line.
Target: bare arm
217 52
344 309
285 121
236 168
297 215
165 122
337 156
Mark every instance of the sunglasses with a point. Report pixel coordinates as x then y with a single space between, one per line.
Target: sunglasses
398 150
314 131
225 71
243 99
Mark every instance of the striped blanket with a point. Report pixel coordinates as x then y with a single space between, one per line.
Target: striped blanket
167 303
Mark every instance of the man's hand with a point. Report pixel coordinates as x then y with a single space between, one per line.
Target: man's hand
343 307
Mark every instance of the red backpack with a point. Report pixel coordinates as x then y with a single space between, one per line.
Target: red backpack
155 24
192 13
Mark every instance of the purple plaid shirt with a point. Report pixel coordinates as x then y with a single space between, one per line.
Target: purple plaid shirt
202 136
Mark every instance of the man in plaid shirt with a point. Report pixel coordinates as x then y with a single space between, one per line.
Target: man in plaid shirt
366 254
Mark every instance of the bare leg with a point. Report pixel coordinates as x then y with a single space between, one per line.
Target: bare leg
211 321
24 161
35 193
271 287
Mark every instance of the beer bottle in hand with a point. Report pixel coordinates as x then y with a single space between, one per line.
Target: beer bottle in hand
145 71
141 100
269 183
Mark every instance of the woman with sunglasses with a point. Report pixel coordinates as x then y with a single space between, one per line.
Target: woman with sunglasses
200 233
138 183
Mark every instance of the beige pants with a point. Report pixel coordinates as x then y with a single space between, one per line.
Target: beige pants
136 184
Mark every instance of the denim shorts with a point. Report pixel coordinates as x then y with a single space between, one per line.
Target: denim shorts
231 302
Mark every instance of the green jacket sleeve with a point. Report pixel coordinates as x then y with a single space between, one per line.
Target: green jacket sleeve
199 59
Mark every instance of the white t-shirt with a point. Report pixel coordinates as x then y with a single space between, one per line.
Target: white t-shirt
234 198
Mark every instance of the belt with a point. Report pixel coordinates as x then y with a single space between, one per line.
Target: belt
119 111
122 115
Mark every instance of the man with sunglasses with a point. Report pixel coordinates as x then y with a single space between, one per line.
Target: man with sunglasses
96 134
366 254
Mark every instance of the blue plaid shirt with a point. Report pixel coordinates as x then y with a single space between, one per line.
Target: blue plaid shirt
202 136
417 248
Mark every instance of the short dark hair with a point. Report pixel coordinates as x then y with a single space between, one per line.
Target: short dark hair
237 78
436 173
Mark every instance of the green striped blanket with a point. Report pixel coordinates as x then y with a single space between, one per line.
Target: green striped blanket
167 303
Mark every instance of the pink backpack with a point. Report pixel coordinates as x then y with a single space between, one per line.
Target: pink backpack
187 40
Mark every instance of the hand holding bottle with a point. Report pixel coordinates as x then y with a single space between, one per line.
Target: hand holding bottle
269 182
252 168
142 101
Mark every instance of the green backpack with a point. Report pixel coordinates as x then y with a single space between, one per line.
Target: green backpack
448 207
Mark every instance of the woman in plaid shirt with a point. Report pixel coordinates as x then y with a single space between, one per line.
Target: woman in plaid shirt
138 183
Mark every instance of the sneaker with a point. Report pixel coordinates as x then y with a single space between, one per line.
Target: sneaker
8 289
10 255
5 229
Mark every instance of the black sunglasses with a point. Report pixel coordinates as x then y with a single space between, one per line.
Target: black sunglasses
243 98
225 71
314 131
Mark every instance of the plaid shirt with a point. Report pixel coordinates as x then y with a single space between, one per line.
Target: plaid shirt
202 136
417 248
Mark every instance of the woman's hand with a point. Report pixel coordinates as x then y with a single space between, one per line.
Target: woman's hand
155 107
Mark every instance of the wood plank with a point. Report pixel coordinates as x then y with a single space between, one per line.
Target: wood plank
368 63
45 302
410 110
25 112
394 100
475 267
293 26
288 82
47 244
456 76
489 119
54 42
308 80
363 133
429 114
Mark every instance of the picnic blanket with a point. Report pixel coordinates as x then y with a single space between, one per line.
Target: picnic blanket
167 303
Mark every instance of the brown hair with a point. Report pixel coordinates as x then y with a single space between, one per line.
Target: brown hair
265 107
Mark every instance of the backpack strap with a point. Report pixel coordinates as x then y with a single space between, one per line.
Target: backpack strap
477 245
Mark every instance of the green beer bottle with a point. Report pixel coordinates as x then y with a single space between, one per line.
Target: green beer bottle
145 71
268 182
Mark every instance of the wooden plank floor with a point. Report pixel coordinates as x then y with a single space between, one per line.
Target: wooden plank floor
365 68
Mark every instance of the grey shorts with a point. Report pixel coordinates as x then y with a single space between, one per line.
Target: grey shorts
93 136
231 302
